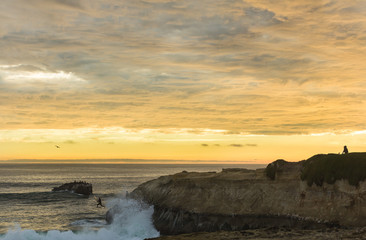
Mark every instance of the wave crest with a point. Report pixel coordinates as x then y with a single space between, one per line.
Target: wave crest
133 221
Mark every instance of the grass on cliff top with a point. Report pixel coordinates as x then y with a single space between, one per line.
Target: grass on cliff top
332 167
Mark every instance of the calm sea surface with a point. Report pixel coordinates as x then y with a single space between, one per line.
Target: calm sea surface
30 210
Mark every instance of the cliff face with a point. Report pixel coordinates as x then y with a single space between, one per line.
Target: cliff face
236 199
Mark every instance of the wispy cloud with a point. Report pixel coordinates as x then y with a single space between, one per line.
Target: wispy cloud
254 67
236 145
28 77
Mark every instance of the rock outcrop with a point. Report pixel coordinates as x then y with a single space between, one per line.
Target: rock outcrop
76 187
237 199
273 233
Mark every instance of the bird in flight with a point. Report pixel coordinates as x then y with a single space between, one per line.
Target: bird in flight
57 146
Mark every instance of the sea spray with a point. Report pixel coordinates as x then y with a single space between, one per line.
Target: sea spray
133 221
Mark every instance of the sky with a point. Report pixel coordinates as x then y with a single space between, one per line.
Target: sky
170 81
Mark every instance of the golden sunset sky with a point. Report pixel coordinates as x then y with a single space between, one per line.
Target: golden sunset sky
171 81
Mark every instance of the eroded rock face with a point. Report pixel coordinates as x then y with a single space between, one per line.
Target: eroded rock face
236 199
274 233
175 221
76 187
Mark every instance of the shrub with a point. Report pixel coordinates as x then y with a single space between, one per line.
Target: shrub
332 167
271 171
273 168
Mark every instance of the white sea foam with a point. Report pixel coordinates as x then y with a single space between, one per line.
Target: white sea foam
90 223
133 221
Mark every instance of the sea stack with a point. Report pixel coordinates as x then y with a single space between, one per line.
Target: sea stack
78 187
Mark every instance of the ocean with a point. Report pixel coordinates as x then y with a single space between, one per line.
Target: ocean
30 210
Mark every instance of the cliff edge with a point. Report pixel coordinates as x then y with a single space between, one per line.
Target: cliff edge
323 190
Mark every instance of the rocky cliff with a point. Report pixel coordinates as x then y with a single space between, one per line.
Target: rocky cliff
280 195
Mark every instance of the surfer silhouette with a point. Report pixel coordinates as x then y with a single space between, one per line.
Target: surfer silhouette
99 202
345 150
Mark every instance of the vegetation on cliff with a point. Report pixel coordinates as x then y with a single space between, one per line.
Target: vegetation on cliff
273 168
332 167
281 169
326 168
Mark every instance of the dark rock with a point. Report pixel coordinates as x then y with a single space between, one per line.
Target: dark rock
76 187
111 213
176 221
271 233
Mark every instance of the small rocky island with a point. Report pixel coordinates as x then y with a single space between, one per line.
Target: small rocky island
78 187
326 190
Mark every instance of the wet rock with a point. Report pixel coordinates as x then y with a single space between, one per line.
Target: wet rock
273 233
78 187
175 221
115 210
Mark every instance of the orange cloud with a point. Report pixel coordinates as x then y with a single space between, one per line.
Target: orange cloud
266 68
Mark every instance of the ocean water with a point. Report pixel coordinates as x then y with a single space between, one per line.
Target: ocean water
30 210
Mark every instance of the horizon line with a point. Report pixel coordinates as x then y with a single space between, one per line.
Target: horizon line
125 161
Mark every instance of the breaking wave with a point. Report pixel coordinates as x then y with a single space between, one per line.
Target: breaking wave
132 221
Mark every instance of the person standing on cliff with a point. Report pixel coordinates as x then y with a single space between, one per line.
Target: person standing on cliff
345 150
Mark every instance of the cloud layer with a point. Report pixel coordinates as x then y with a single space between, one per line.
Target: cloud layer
294 67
